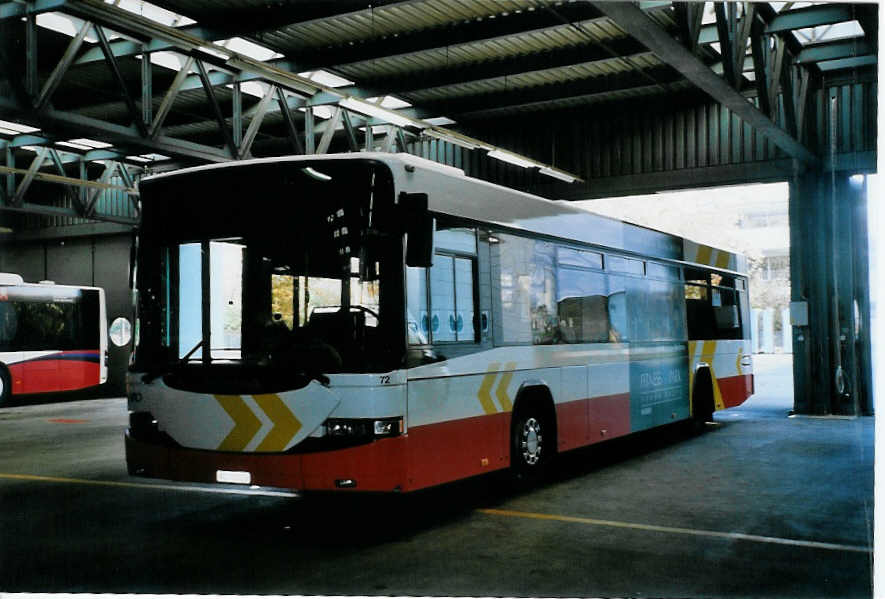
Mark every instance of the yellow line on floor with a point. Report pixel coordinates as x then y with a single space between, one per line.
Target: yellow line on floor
114 483
736 536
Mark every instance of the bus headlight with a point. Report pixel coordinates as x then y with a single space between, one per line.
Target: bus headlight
358 427
388 428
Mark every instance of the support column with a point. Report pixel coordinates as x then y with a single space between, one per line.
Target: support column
829 273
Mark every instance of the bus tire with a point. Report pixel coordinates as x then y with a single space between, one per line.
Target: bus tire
702 401
532 440
5 386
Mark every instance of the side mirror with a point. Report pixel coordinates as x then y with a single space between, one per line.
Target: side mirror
419 226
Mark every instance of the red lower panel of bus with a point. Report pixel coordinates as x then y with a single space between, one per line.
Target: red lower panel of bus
736 389
62 371
428 455
377 466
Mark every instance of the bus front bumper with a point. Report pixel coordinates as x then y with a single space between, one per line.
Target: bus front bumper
376 466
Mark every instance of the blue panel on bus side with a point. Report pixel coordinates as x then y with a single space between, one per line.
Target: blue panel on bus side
658 385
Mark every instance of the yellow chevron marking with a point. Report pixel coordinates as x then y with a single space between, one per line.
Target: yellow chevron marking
705 253
485 388
723 260
501 391
245 423
286 424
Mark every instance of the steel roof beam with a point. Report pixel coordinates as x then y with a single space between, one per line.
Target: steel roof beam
508 98
62 67
835 50
442 36
812 16
636 23
216 108
257 117
74 124
291 129
516 65
16 9
121 82
234 22
847 63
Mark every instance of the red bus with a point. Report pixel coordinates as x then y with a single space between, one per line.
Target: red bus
52 337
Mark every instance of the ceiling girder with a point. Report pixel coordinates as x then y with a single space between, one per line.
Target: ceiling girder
516 65
245 145
84 208
291 129
835 50
689 17
811 16
62 67
169 98
661 76
439 37
636 23
121 82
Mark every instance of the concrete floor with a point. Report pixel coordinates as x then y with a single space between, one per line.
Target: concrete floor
761 505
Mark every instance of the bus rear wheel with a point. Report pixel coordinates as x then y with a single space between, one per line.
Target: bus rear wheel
531 445
702 401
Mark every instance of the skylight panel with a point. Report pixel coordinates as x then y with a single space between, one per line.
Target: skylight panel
57 22
389 102
90 144
326 78
76 146
170 60
214 52
250 49
153 12
69 26
323 112
440 121
828 33
17 128
253 88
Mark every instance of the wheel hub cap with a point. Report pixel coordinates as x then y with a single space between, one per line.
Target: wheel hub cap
531 441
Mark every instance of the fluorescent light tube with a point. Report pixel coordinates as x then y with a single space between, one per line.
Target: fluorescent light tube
557 174
377 112
514 159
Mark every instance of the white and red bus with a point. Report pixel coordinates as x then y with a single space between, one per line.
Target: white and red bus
52 337
380 322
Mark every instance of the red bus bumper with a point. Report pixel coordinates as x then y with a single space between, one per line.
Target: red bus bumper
375 466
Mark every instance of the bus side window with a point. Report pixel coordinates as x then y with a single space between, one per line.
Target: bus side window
698 312
725 313
441 300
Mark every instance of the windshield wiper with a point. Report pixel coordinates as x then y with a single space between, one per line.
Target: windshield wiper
151 375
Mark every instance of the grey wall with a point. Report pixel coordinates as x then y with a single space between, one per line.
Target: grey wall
97 260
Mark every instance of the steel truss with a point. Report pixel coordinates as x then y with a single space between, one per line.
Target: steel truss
774 99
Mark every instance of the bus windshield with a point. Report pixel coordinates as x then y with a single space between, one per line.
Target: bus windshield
302 283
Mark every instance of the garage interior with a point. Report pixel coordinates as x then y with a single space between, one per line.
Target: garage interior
569 100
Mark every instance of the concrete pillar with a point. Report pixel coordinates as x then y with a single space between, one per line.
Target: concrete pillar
829 271
754 329
767 336
786 332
